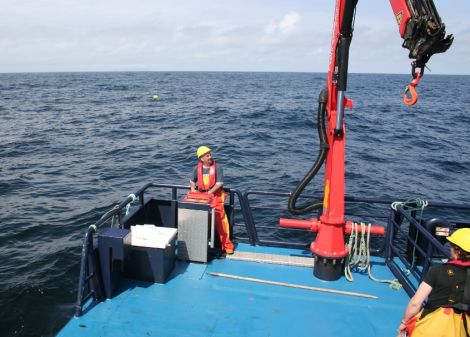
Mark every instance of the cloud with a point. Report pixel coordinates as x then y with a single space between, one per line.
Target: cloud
289 24
62 35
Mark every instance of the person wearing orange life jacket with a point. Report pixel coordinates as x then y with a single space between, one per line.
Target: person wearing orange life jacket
208 177
447 288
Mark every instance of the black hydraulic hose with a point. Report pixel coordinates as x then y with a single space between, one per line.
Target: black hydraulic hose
344 42
322 100
348 17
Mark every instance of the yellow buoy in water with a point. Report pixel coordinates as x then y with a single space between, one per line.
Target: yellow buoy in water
155 98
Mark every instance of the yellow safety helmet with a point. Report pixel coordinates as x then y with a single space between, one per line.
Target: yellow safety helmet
461 238
202 150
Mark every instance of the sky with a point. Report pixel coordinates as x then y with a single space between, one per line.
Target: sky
211 35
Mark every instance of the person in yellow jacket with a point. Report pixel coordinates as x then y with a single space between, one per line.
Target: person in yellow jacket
208 177
446 311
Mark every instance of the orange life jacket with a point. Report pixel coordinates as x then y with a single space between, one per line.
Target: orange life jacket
206 184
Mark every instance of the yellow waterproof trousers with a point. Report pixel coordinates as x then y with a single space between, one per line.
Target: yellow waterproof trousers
442 322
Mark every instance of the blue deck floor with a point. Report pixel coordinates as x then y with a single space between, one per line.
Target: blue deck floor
195 303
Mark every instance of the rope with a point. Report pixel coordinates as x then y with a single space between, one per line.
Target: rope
128 206
291 285
359 255
418 205
115 216
114 219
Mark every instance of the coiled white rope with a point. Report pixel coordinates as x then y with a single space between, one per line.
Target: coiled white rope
416 204
129 204
359 255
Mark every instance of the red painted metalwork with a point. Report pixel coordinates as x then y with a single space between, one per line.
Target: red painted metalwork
423 34
200 197
333 201
330 238
313 225
402 14
331 226
411 89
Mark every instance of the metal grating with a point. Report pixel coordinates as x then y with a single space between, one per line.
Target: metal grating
289 260
193 232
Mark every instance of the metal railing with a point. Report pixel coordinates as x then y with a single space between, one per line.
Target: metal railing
89 285
260 219
89 282
406 229
266 208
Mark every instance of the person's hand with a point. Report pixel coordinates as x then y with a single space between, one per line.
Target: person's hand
401 330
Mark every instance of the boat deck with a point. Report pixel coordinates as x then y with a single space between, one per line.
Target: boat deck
194 302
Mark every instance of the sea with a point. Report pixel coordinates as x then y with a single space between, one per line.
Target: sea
73 145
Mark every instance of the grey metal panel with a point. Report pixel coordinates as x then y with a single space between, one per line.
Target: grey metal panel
193 234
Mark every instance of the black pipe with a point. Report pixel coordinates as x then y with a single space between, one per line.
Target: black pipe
348 17
342 53
322 100
343 62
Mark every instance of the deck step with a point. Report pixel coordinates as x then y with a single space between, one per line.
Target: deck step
299 261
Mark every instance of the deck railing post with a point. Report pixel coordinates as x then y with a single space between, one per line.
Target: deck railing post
389 235
250 222
83 271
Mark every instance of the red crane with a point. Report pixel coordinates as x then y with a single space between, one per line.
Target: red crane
423 35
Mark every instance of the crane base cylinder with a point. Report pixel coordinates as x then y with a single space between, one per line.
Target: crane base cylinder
328 269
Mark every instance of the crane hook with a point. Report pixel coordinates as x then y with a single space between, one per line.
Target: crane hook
411 89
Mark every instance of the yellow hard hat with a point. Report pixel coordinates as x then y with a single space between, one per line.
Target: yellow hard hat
202 150
461 238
